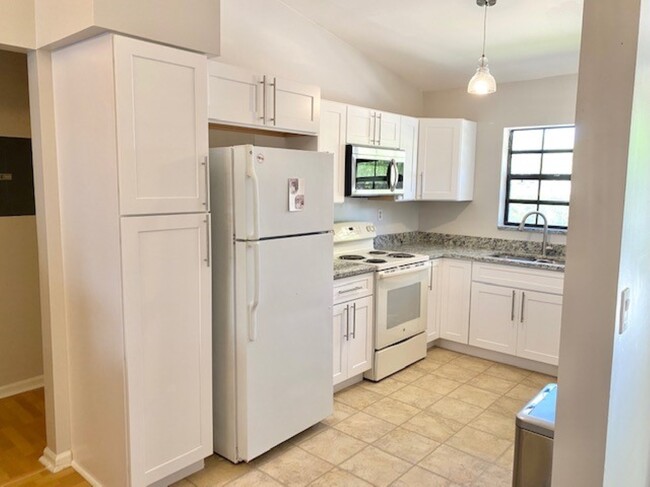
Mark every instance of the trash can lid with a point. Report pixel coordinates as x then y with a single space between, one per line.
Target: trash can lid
538 415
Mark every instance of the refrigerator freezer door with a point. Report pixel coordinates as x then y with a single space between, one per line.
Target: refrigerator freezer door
280 192
284 339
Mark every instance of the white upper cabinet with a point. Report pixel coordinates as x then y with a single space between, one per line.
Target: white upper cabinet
249 99
372 127
409 144
331 138
236 95
162 132
446 155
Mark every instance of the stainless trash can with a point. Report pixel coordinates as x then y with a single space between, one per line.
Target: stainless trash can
534 440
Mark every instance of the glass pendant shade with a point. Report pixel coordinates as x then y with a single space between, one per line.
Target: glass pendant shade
482 83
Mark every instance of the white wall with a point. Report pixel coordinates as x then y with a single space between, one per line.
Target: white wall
270 37
397 217
602 429
20 325
17 26
546 101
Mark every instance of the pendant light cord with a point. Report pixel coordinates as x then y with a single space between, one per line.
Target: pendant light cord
484 29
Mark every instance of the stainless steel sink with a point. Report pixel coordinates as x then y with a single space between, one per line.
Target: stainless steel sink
534 259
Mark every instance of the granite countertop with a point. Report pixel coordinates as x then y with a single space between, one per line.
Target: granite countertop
343 268
437 246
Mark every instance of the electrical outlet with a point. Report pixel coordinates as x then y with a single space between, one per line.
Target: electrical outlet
380 215
625 311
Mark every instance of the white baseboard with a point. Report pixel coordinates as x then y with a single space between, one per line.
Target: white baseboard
56 462
496 357
87 477
21 386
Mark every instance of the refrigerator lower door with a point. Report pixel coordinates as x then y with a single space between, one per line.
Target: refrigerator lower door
284 339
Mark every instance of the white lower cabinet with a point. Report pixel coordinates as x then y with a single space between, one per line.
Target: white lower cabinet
522 318
353 325
455 290
433 302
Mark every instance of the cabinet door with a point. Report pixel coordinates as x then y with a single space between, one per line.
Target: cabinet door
492 318
340 342
446 160
433 303
162 131
236 95
360 344
361 126
539 321
388 129
409 143
292 106
456 280
167 332
331 138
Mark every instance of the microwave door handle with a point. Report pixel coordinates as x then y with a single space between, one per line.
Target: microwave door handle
395 174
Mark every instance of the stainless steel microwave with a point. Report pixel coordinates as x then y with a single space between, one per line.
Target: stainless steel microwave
373 171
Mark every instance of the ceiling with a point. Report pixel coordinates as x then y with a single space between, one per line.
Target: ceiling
435 44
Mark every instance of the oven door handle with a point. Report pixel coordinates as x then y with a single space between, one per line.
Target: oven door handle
413 270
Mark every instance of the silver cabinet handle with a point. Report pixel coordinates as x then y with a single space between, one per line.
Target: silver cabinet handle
206 167
347 323
274 85
354 320
512 308
523 302
374 128
352 289
379 138
421 184
263 83
208 232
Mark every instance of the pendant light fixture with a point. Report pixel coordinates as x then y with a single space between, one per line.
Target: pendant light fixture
483 83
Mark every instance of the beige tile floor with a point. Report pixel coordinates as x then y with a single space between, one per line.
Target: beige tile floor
446 421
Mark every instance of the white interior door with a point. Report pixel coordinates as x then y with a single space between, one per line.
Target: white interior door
340 340
293 106
167 328
284 339
539 321
236 95
264 190
492 318
161 102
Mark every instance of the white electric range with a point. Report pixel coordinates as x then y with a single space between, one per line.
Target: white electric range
401 287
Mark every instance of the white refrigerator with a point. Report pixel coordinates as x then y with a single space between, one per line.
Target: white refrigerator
272 296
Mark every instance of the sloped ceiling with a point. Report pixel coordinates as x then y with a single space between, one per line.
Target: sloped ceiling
435 44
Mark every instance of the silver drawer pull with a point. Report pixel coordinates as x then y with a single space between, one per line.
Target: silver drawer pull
345 291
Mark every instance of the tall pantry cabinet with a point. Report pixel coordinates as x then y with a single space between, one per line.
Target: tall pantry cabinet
132 142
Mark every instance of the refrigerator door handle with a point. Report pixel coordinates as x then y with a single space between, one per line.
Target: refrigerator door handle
250 173
254 303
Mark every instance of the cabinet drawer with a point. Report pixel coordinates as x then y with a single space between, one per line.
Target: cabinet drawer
353 287
519 277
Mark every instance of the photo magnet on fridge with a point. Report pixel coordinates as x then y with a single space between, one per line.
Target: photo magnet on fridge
296 194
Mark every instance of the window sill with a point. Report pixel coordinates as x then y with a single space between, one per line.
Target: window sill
552 231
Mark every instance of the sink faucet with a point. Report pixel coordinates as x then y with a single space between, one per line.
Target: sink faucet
545 237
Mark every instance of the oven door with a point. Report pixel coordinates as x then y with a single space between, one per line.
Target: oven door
401 304
374 172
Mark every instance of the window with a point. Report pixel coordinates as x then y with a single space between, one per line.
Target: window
538 177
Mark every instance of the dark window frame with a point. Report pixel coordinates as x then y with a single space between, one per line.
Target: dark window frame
533 223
